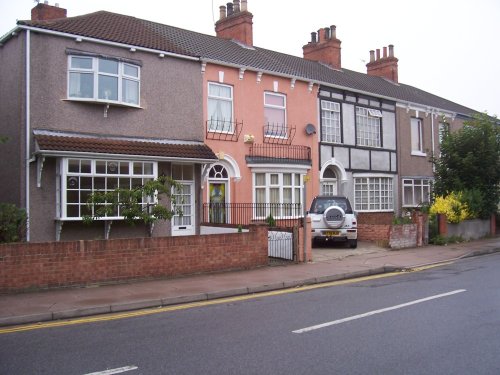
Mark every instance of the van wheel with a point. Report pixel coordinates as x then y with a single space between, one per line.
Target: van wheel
353 244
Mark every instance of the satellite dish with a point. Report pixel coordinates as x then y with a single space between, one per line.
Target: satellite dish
310 129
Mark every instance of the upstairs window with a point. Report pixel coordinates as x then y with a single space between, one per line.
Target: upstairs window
368 127
417 147
220 108
330 122
275 115
103 80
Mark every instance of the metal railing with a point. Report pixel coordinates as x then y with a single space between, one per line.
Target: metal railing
279 133
283 215
223 130
277 151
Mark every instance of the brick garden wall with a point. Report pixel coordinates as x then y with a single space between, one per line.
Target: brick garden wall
33 266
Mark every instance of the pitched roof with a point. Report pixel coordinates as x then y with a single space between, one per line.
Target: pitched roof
147 34
49 141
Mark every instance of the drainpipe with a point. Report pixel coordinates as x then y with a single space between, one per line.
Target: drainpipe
432 140
28 127
304 220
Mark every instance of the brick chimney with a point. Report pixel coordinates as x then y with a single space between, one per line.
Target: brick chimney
385 66
235 22
43 12
326 48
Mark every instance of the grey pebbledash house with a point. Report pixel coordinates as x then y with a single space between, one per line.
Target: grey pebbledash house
87 107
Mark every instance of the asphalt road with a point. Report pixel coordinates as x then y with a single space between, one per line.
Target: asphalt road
444 320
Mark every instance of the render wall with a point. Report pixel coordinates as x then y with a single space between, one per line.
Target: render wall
248 104
12 124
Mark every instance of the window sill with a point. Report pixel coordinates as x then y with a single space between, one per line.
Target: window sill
75 219
418 153
103 102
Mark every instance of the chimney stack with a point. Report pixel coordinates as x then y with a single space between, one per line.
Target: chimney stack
385 66
325 49
236 23
44 12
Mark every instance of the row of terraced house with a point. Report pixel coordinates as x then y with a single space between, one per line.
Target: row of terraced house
104 100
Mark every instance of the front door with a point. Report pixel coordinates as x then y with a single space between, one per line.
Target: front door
184 225
217 200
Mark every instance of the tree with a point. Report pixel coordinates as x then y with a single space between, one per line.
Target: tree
470 163
139 204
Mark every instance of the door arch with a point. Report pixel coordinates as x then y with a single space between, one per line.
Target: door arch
332 178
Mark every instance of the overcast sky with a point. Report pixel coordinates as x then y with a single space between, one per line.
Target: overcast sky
447 47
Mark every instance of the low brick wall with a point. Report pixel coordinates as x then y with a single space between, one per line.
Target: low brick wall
373 232
403 236
34 266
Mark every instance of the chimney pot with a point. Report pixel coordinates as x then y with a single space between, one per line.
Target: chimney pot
229 9
372 56
333 32
222 12
391 50
313 37
236 6
378 53
327 33
244 6
321 35
385 52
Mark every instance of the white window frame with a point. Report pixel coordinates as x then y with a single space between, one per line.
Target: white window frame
368 127
416 137
413 186
225 128
330 122
284 132
275 181
66 174
121 77
373 193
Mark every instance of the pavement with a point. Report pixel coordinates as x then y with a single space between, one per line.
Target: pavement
329 264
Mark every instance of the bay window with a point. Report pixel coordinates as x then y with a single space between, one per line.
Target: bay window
82 177
278 194
373 194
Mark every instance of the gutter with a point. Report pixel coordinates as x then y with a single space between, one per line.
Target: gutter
79 38
95 155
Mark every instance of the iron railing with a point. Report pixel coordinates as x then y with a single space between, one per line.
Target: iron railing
284 215
264 152
223 130
279 133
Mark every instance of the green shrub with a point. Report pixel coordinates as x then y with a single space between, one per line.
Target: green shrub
12 223
398 220
270 220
